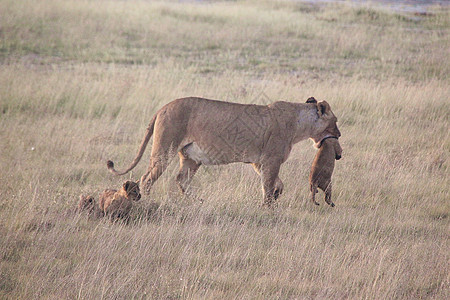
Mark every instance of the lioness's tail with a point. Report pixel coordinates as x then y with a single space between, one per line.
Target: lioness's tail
144 143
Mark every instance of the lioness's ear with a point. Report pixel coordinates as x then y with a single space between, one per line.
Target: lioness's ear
311 100
322 108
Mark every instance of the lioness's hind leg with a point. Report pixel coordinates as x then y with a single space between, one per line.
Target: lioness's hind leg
188 168
157 167
166 138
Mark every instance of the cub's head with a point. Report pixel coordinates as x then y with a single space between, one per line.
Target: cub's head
132 190
327 120
334 144
86 203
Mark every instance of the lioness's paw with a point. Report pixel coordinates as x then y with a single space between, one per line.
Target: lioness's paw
277 193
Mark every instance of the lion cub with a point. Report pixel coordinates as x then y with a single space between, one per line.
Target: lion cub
86 203
117 204
322 168
113 203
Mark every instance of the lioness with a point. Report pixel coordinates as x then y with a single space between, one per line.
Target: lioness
117 204
214 132
322 168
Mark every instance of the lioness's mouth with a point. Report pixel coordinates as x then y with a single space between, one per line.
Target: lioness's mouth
319 144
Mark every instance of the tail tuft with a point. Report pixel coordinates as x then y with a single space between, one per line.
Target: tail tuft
110 165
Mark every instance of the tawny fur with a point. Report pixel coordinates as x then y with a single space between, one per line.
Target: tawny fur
118 203
86 203
322 168
89 205
214 132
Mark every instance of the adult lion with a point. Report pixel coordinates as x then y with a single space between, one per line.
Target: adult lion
211 132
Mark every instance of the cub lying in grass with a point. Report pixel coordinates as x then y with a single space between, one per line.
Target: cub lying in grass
86 203
117 204
112 203
322 168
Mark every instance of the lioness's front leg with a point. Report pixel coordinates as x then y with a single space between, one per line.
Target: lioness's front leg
279 186
269 174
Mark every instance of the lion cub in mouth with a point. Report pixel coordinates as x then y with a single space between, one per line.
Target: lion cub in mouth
322 168
112 203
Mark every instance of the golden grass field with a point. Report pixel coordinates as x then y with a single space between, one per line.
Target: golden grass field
80 80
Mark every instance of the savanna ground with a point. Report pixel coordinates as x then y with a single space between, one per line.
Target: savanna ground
80 80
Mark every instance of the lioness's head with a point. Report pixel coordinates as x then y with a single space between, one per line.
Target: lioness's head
328 120
132 190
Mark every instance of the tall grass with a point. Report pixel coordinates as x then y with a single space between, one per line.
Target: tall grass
80 80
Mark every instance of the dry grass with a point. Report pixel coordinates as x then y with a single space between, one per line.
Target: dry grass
80 80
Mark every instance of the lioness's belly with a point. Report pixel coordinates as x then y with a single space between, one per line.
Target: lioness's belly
217 155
